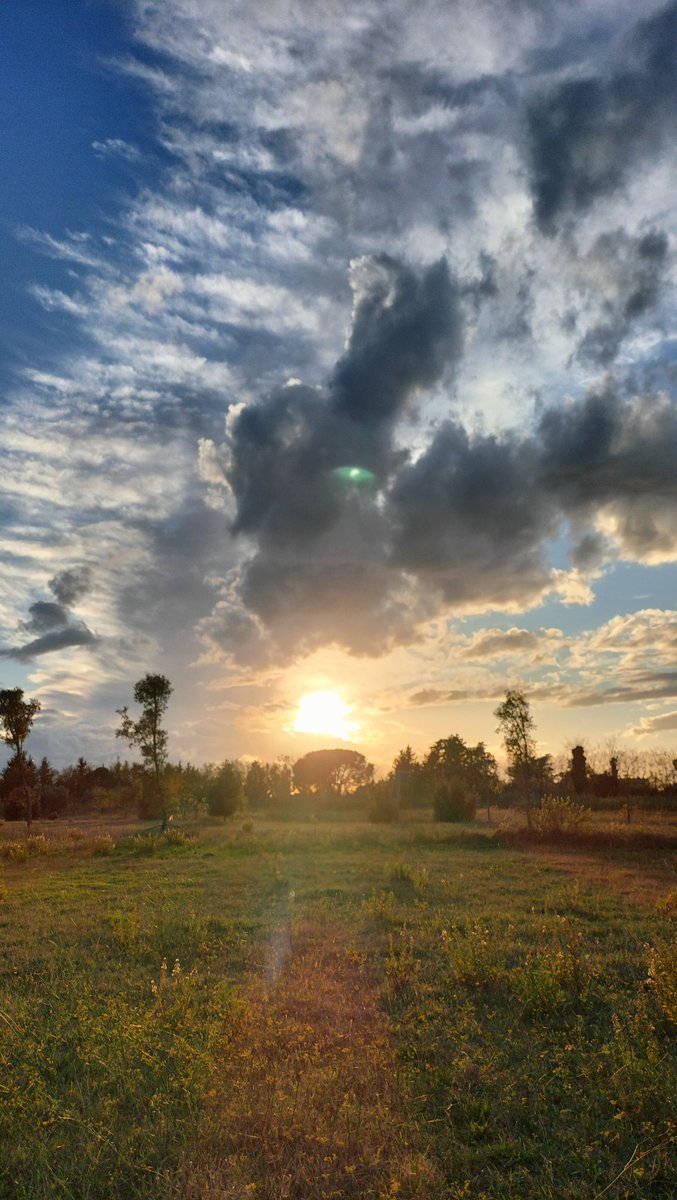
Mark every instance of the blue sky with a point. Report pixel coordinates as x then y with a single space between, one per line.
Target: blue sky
248 245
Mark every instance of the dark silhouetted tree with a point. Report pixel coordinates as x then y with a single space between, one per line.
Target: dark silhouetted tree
579 770
16 721
334 771
152 693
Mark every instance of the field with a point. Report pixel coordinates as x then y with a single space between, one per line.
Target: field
334 1009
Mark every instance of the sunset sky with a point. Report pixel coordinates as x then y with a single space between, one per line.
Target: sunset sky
339 356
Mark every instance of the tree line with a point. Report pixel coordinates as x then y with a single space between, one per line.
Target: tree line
453 777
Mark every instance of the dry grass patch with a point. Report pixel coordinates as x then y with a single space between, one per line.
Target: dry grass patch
308 1102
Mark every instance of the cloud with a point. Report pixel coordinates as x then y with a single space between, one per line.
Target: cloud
71 585
116 147
499 643
627 275
657 724
56 639
52 622
610 463
587 133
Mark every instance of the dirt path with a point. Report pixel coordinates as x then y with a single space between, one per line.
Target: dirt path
308 1103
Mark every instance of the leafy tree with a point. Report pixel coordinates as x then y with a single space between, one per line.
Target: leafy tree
516 724
152 693
472 766
16 721
406 778
454 801
257 785
224 790
334 771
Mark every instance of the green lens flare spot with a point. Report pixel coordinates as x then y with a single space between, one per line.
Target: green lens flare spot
354 474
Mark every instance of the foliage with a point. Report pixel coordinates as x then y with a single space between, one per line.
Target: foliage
383 808
152 693
268 784
454 801
558 814
332 772
408 779
224 789
516 724
451 757
579 770
16 721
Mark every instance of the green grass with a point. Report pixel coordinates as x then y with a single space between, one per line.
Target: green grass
528 1007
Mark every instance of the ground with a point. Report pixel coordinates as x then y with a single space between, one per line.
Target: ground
333 1009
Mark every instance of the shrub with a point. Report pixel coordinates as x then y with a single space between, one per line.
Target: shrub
453 801
558 814
224 791
382 809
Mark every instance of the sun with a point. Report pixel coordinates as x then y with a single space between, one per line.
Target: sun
324 712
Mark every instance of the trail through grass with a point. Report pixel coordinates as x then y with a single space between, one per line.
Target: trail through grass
453 1017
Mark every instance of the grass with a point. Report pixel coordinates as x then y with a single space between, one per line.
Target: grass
356 1012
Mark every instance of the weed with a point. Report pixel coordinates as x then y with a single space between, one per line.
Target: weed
402 967
662 979
381 907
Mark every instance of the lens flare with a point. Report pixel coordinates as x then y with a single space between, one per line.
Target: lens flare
357 475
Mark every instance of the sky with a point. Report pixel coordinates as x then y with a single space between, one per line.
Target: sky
338 355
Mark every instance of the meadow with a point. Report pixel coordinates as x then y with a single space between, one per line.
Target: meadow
333 1009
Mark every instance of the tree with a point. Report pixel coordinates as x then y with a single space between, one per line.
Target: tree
152 693
579 770
405 776
257 785
335 771
16 720
450 759
224 790
516 723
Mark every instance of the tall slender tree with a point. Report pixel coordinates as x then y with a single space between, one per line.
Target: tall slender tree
152 693
16 721
516 724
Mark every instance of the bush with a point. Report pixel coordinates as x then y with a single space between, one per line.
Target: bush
558 814
383 809
225 792
453 801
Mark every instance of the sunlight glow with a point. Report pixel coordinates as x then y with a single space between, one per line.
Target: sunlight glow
324 712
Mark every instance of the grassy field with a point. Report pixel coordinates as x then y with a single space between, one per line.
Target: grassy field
334 1009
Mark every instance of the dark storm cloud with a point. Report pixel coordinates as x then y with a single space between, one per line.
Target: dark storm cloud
406 328
605 449
284 451
587 133
469 523
628 274
52 622
467 517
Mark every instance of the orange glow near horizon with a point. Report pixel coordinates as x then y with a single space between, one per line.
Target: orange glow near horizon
325 713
